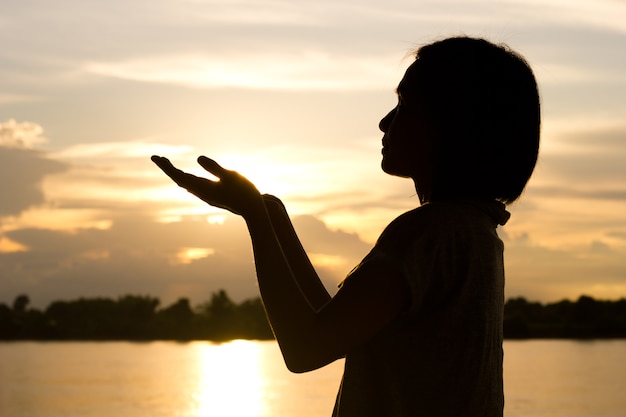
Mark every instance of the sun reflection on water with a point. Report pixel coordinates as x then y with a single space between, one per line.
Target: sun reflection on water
230 381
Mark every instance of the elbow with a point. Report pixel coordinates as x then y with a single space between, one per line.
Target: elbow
306 359
300 366
305 348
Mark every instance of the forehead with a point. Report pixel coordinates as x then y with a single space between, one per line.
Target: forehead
409 82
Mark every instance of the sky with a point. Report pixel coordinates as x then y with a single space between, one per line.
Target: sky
289 93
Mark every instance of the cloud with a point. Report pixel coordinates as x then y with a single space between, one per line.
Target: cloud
600 14
139 256
582 163
266 44
566 73
16 98
25 135
134 149
115 177
318 238
539 272
288 71
21 191
22 169
618 234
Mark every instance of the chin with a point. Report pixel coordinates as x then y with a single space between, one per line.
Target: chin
390 169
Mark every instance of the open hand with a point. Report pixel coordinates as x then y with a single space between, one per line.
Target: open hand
232 192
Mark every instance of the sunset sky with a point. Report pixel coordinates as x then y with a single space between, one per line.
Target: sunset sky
288 92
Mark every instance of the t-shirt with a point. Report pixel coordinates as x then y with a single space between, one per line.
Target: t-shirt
443 355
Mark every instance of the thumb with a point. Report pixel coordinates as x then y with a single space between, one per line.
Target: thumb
212 166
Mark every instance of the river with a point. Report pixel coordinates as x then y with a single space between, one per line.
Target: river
555 378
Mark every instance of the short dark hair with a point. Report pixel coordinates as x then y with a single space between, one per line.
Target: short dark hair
484 101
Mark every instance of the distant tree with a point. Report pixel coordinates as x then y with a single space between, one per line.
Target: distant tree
20 322
517 312
223 319
176 321
134 316
221 305
585 318
253 320
81 319
20 303
218 317
128 318
7 327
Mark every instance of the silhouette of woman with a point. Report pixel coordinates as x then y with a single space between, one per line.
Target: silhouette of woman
419 320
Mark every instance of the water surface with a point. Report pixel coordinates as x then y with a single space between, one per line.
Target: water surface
248 378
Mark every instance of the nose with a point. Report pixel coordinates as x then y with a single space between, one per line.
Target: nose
386 121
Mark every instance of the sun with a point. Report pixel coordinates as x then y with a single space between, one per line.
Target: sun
266 173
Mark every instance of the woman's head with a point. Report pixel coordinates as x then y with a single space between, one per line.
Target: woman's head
482 104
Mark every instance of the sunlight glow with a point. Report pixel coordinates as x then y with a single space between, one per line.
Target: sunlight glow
268 173
188 255
8 246
327 261
194 209
604 291
58 219
239 390
216 219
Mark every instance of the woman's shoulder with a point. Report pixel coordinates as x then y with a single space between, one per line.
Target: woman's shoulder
423 217
421 214
408 227
432 212
443 217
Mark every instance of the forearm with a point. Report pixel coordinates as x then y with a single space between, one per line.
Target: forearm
290 313
303 271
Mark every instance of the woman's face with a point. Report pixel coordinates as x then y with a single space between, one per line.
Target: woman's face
409 135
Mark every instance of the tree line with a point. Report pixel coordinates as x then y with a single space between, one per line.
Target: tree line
132 317
585 318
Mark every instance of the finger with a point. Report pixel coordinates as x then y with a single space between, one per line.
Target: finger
162 163
181 178
212 166
166 166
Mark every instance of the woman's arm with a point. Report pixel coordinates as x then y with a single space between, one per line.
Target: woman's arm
308 338
299 262
373 296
